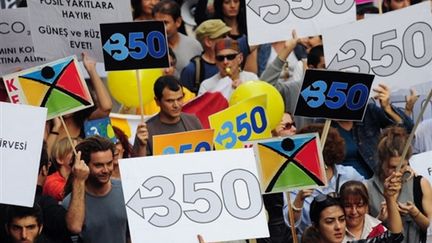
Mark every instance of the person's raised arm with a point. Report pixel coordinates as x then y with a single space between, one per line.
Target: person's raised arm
392 187
271 73
76 211
297 204
289 46
104 102
141 140
383 95
411 99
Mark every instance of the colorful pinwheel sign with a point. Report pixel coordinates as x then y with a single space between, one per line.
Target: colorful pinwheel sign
289 163
58 86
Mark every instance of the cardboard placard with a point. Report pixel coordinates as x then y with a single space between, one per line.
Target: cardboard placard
334 95
134 45
183 195
20 150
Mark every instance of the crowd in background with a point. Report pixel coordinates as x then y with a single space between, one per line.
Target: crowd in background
367 198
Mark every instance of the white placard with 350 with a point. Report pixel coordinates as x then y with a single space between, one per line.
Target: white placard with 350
273 20
172 198
396 47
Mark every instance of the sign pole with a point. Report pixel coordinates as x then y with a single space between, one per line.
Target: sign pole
380 10
411 136
140 95
68 136
291 218
325 132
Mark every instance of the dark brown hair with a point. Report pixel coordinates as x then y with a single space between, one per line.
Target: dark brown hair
354 188
334 148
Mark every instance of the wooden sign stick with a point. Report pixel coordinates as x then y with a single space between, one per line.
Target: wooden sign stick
291 218
68 135
325 132
411 136
140 95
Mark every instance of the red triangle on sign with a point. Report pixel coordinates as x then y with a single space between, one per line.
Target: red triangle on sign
309 158
70 81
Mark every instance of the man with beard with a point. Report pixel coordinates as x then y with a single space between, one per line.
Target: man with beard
95 207
24 224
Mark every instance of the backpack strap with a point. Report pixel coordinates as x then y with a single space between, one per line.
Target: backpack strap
418 194
198 73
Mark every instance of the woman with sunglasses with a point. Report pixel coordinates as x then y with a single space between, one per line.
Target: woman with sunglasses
415 196
329 219
359 224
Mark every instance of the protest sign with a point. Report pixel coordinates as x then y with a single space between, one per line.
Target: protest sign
183 142
290 163
273 20
422 164
64 27
57 85
183 195
20 150
239 123
101 127
127 123
134 45
398 50
334 95
16 45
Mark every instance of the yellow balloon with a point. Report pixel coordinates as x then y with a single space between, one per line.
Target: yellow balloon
275 103
124 88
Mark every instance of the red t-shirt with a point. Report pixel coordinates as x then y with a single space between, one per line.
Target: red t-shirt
54 186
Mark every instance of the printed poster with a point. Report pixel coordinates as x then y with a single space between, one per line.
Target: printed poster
16 44
69 27
290 163
21 135
58 86
183 142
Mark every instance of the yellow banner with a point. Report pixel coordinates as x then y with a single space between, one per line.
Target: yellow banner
183 142
242 122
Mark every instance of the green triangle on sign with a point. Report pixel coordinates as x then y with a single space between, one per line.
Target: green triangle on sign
292 177
59 102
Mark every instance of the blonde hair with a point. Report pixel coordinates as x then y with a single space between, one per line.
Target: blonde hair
61 149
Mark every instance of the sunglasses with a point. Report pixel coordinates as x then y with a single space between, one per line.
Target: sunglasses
230 57
288 125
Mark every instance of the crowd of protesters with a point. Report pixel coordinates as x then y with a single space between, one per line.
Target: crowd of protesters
367 198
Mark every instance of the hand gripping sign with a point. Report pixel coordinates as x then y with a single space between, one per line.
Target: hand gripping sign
172 198
396 47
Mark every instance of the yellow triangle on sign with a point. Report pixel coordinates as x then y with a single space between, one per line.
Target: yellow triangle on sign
270 162
33 91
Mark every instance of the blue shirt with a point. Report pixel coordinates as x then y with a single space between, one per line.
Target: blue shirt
345 173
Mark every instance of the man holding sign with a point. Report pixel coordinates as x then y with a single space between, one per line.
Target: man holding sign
169 97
